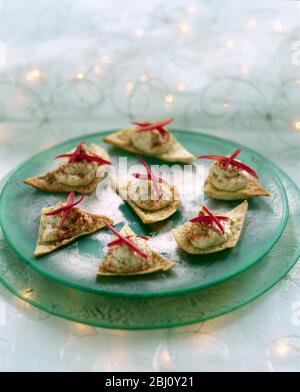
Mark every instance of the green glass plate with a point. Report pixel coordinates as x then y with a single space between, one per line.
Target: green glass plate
76 265
149 313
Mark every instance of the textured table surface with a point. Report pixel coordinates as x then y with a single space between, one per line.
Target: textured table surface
230 69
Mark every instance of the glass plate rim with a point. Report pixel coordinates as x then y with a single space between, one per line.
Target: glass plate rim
167 325
179 291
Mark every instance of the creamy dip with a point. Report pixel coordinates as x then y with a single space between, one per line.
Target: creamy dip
76 223
142 193
202 235
152 142
79 173
233 179
122 259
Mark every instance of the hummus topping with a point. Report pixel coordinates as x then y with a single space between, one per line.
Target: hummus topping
142 193
232 179
202 235
76 222
152 142
121 259
78 172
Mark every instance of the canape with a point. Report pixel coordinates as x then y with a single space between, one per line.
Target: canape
63 223
151 197
151 139
209 233
129 254
80 171
230 179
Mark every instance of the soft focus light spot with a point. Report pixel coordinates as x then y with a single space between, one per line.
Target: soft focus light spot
230 44
184 28
144 78
105 60
244 69
252 23
81 327
27 292
80 76
298 81
169 98
36 73
278 27
98 70
181 86
282 348
139 33
165 357
226 105
130 86
33 75
297 125
192 9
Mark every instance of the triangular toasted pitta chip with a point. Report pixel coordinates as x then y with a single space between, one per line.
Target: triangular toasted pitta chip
238 214
176 153
43 248
46 182
253 189
160 263
148 217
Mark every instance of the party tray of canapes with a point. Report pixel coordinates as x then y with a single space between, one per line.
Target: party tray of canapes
143 212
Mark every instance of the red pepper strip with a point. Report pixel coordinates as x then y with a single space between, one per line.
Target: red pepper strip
242 166
140 124
66 213
213 157
214 219
76 152
235 163
66 210
156 125
231 158
119 242
207 218
152 178
146 177
86 157
66 207
159 126
125 241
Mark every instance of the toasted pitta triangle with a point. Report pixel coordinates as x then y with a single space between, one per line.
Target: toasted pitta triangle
238 214
253 189
148 217
160 263
44 183
44 248
122 139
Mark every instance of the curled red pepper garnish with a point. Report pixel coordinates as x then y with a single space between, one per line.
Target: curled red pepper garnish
77 155
119 242
210 218
66 210
151 177
155 126
76 152
227 161
124 240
